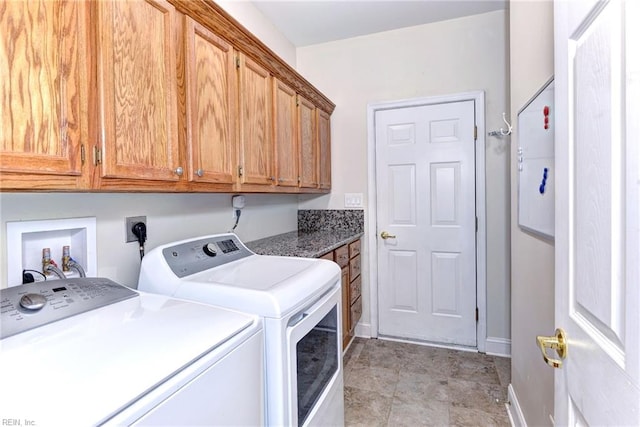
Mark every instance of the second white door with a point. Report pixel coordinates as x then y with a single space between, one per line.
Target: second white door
425 174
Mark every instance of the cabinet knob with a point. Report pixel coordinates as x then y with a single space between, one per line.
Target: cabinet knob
179 171
199 172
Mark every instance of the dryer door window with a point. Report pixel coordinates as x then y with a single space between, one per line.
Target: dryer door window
317 362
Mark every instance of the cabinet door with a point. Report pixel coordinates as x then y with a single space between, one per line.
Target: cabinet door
137 90
324 143
308 140
43 116
285 134
211 97
255 123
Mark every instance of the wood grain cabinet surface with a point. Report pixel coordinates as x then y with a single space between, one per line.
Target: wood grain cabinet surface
285 134
152 95
309 162
137 93
43 90
255 123
211 98
324 144
348 258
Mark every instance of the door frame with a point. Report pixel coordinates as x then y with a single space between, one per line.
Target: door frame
372 217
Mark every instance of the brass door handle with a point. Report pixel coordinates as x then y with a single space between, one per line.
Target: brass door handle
386 235
558 343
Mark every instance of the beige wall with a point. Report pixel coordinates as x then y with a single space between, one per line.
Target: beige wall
532 277
170 217
252 19
461 55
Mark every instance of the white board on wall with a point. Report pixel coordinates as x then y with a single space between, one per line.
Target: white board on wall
536 173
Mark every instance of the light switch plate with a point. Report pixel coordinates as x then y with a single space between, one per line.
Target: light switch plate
353 200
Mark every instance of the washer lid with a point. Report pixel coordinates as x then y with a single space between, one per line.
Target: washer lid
269 286
84 369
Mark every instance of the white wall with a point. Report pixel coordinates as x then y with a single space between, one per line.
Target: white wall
461 55
252 19
169 216
532 277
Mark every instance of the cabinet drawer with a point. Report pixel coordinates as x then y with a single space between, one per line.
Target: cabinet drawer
342 256
354 267
346 304
355 289
354 248
356 313
328 256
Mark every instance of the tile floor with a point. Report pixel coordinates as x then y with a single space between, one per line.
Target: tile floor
390 383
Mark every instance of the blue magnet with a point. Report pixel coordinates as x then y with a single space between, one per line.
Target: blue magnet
542 188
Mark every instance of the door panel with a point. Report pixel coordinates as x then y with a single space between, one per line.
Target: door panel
256 147
43 118
425 167
597 212
211 101
137 87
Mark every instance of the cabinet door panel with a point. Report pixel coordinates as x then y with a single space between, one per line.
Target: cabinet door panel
137 87
255 123
324 144
210 79
285 138
43 117
309 161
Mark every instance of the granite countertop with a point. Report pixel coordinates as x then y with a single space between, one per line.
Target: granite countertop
307 244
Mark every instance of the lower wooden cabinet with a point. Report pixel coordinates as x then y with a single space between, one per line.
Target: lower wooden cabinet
348 258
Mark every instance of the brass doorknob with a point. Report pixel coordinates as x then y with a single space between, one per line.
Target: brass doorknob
558 343
386 235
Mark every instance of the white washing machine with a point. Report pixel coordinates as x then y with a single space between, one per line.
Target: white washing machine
299 300
82 352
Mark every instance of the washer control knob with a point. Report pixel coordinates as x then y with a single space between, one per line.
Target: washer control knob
32 302
210 249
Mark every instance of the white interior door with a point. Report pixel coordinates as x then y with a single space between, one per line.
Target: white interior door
425 175
597 211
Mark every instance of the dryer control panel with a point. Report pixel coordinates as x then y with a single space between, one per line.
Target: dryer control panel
194 256
36 304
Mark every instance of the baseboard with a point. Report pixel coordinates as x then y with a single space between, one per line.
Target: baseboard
363 330
498 346
513 409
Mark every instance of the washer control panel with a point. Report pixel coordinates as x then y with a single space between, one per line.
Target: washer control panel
203 254
36 304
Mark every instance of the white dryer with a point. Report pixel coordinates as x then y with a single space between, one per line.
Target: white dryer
299 300
80 352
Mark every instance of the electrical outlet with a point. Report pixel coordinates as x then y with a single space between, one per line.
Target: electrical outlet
129 222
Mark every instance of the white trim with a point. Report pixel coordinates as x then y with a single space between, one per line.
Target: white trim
481 235
498 346
363 330
514 410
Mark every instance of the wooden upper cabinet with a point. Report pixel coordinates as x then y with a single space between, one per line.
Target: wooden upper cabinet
324 144
255 145
308 141
285 134
43 91
137 91
211 105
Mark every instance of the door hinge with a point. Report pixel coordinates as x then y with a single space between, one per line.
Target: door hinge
475 133
476 224
477 315
97 156
83 154
240 171
237 62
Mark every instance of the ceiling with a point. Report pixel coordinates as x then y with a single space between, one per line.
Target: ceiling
306 22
